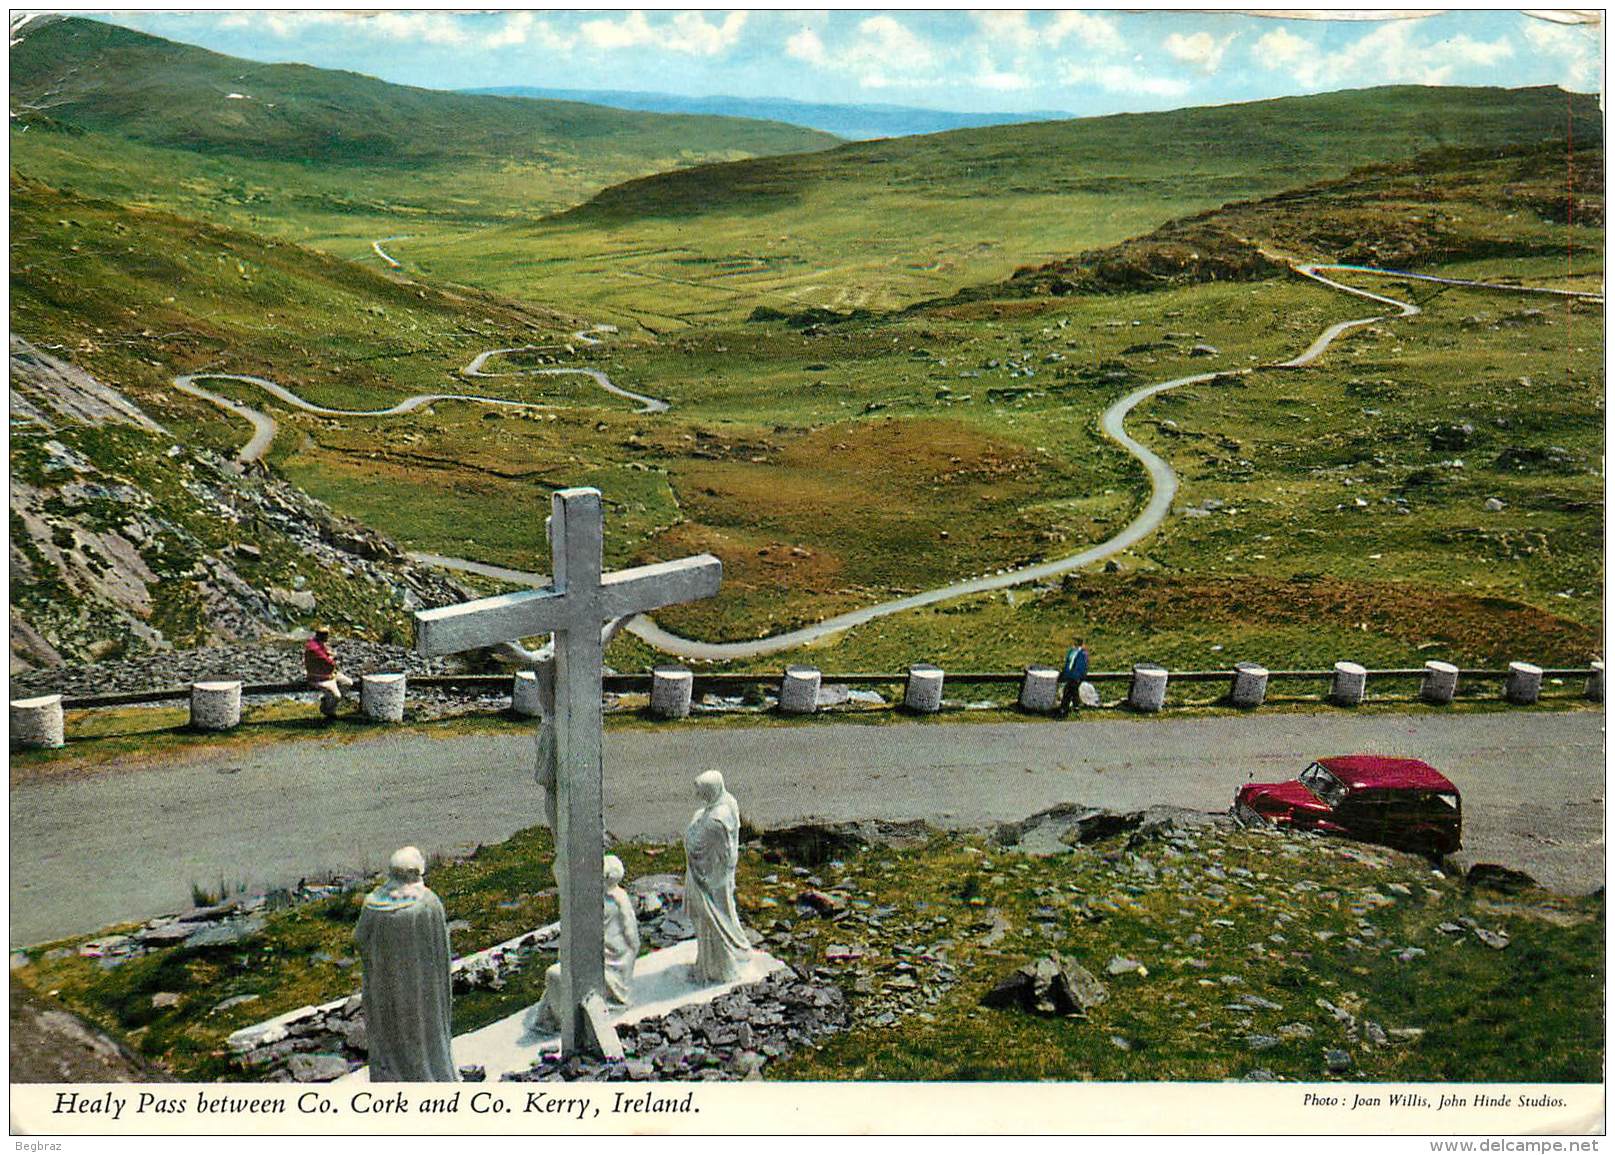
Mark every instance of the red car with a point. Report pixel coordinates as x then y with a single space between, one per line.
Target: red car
1399 802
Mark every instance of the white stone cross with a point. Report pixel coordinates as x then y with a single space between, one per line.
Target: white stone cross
577 602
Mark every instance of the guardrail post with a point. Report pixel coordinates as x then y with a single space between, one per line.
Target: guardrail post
1148 691
923 693
1250 685
215 705
36 723
1440 683
1595 681
670 691
524 695
1040 690
381 697
1524 685
799 690
1349 682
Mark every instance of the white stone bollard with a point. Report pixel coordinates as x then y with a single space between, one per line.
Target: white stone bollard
1440 683
670 689
923 694
215 705
799 690
1524 683
36 723
1595 682
1350 681
524 695
1250 684
1040 689
1148 691
381 697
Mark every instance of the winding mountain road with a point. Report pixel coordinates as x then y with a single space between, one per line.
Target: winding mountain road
1163 481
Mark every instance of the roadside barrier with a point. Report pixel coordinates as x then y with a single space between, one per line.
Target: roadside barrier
37 722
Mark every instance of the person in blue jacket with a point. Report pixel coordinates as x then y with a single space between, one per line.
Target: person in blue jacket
1072 674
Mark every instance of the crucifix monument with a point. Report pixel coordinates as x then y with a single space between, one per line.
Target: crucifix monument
578 601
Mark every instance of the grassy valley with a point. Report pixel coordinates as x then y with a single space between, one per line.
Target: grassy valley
885 223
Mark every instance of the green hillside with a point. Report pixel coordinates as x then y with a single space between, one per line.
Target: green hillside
883 223
319 154
135 296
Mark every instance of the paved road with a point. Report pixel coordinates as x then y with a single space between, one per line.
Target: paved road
127 845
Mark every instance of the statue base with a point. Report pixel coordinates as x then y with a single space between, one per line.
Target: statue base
662 982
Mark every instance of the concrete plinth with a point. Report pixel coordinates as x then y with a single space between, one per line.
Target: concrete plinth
662 983
1350 682
923 694
1250 685
215 705
36 723
1148 691
1440 683
799 690
524 695
670 689
1595 682
1524 685
1040 690
381 697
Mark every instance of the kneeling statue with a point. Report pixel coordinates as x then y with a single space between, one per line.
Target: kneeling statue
622 951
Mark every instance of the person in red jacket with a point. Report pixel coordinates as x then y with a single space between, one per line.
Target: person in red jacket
320 668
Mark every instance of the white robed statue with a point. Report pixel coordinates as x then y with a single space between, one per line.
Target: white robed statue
403 939
621 930
711 850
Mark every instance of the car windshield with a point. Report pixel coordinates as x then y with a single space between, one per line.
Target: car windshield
1324 784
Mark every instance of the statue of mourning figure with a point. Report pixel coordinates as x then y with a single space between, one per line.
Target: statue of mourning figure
403 941
622 951
711 851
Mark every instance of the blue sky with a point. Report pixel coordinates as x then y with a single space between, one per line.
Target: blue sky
1085 63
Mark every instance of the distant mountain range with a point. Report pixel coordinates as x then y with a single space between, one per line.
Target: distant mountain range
851 121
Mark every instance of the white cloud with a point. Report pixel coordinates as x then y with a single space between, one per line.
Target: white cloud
806 45
430 27
1471 51
1200 49
1012 29
1575 48
885 53
989 76
688 33
1281 49
524 28
1390 54
1122 78
1093 32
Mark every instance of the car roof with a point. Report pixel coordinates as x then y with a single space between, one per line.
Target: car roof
1374 771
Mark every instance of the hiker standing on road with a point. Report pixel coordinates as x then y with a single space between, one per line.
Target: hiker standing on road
1072 675
320 668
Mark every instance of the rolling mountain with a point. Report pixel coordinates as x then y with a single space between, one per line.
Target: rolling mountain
881 224
851 121
327 158
98 76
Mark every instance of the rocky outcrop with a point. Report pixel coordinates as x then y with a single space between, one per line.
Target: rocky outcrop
125 541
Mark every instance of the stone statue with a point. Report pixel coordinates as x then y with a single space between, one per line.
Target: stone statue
404 941
711 850
622 951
